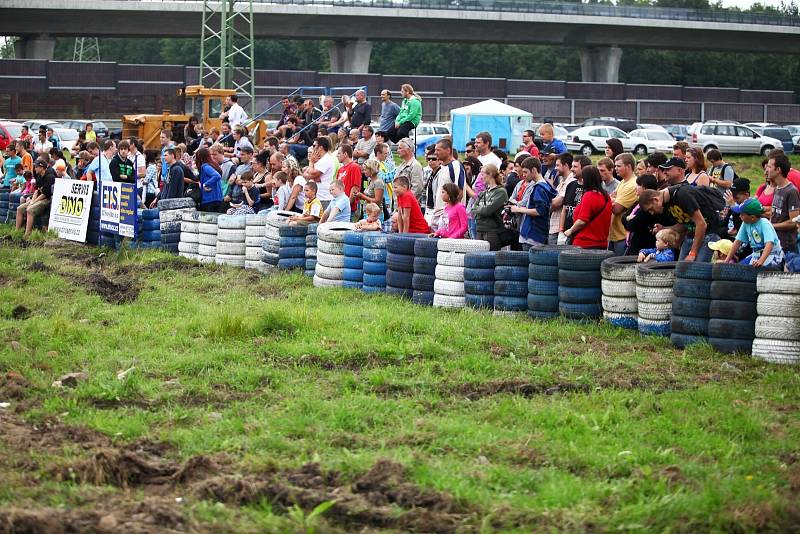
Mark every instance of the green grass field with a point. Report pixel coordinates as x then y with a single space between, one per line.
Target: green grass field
249 404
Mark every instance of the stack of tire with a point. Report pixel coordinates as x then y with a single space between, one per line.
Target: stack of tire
510 282
207 237
400 264
618 283
311 250
329 271
255 226
93 229
149 228
579 289
733 309
654 297
374 264
292 251
543 280
448 289
4 193
171 212
777 327
425 251
230 240
353 259
190 236
271 245
691 303
13 204
479 279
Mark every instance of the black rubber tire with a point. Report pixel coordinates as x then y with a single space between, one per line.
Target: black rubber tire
733 309
617 263
509 272
505 303
426 247
580 311
583 260
479 301
687 307
731 346
422 282
546 254
656 274
731 329
734 272
690 288
292 231
543 303
537 287
541 315
478 287
479 275
580 295
479 260
513 258
510 288
568 278
404 292
695 326
402 243
426 265
547 273
400 279
682 341
400 262
724 290
696 270
423 298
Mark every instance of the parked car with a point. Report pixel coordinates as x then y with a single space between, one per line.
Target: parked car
9 131
99 127
649 126
695 125
428 133
651 140
732 139
67 138
34 125
559 132
761 125
590 139
781 134
678 131
795 131
626 125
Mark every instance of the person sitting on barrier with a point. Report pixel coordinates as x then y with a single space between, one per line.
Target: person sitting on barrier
312 208
409 116
666 241
374 192
249 197
19 181
372 222
339 208
453 222
28 186
282 190
409 216
760 234
39 202
592 215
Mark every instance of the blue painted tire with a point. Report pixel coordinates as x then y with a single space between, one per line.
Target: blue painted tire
511 273
546 254
480 260
374 267
505 303
353 263
534 314
696 270
478 275
572 310
373 289
694 326
374 280
353 238
150 214
426 247
579 278
375 240
170 238
423 298
400 262
510 288
351 284
403 292
150 235
286 253
479 287
629 322
292 242
682 341
547 273
148 225
374 255
537 287
402 243
292 263
425 265
423 282
511 258
543 303
580 295
354 251
479 301
353 275
310 265
170 247
293 231
651 328
399 279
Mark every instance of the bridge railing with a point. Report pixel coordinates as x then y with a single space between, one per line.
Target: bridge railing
528 6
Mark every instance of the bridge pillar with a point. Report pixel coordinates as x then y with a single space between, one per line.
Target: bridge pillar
34 47
350 56
601 64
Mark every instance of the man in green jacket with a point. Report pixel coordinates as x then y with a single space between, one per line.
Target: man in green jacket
409 116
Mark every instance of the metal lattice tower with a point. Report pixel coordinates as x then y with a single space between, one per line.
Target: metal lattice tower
226 47
86 49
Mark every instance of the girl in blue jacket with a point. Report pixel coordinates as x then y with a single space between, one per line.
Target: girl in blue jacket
210 180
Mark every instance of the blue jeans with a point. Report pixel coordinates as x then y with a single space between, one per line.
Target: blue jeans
300 152
618 247
703 253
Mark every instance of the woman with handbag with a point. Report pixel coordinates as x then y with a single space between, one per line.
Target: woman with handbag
488 208
210 180
592 216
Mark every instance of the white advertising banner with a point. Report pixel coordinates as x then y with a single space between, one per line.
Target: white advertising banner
70 209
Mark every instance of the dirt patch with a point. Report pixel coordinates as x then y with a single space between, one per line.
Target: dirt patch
112 292
20 313
38 267
15 388
514 387
352 362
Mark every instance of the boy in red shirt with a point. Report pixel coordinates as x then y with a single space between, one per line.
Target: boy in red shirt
409 216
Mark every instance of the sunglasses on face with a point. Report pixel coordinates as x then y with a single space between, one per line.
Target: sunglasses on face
433 159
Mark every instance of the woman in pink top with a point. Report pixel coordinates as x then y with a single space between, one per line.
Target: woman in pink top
453 223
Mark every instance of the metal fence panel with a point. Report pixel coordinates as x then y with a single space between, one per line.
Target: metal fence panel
553 88
585 109
736 112
766 97
669 112
710 94
475 87
595 91
433 85
635 91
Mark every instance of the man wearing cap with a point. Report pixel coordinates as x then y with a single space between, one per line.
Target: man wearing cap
693 209
674 170
731 221
759 233
653 163
39 203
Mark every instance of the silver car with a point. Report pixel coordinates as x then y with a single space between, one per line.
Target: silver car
732 139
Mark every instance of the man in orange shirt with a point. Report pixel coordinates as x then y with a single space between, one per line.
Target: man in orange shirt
349 174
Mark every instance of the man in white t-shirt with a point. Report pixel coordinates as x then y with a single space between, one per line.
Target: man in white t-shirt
483 149
320 169
450 170
236 114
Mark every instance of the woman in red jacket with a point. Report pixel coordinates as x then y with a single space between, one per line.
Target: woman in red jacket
593 214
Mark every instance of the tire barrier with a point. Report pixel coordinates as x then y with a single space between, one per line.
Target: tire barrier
190 231
777 326
654 283
4 194
353 259
374 262
731 326
170 214
690 314
400 263
207 236
311 250
510 282
230 240
254 229
479 271
543 280
425 252
618 287
579 283
329 270
14 201
271 243
449 291
292 247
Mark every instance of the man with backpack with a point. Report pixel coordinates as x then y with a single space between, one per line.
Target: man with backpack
720 173
695 210
535 205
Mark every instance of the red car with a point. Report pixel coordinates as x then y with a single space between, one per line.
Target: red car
9 131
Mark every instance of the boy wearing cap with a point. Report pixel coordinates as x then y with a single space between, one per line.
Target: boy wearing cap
759 233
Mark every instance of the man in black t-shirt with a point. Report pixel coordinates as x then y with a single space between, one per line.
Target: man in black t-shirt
39 203
360 113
